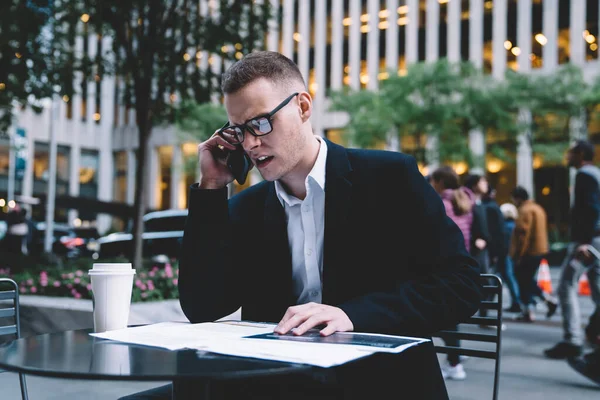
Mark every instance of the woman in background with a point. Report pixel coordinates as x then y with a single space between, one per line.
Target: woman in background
458 202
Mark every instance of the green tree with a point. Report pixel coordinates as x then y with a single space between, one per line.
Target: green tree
154 51
440 100
23 57
554 99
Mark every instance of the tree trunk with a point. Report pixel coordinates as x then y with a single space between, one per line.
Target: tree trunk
139 204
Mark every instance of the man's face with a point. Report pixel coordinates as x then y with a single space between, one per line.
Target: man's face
573 158
482 186
516 202
279 152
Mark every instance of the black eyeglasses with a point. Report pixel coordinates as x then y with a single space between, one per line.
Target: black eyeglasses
257 126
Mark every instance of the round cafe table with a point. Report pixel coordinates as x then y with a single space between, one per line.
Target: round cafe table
77 355
195 375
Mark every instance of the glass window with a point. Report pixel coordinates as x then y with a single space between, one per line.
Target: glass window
165 156
88 173
120 178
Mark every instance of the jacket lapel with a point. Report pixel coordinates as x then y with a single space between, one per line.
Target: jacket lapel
338 199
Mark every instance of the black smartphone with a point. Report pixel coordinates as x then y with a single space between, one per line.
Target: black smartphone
238 161
239 164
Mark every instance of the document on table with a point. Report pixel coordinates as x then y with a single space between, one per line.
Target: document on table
257 340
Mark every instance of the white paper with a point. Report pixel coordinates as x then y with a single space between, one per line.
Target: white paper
178 335
231 338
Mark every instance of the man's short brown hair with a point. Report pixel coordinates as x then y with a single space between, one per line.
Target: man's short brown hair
270 65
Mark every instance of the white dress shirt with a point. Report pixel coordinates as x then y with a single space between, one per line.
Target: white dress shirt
305 228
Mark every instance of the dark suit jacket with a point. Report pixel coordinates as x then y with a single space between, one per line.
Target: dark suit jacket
393 260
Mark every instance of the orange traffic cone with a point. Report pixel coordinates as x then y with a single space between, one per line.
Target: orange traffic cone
544 280
584 285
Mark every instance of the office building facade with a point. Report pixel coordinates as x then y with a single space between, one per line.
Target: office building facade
336 44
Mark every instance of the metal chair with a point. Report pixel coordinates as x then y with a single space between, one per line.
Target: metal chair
491 284
9 290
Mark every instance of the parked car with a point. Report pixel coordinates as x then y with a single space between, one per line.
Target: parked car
77 243
39 236
163 232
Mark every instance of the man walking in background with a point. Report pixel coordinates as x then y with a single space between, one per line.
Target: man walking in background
528 246
585 241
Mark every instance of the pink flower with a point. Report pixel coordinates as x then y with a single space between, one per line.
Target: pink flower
77 280
175 281
151 273
30 282
144 295
143 288
56 284
138 283
168 270
150 285
77 295
43 274
23 289
33 289
79 272
71 275
155 268
69 286
44 283
88 286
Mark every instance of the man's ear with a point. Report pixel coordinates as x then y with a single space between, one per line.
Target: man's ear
306 106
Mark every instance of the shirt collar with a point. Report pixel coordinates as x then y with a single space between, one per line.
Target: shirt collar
317 175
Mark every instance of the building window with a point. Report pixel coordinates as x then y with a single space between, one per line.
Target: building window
163 192
120 177
88 173
41 175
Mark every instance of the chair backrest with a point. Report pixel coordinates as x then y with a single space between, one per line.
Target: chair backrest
9 290
492 289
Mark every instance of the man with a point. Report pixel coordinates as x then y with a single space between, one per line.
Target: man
529 244
324 241
585 238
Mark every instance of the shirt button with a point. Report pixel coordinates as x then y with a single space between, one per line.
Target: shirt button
308 252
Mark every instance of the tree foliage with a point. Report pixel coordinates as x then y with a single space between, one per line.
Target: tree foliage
446 101
24 56
439 100
157 50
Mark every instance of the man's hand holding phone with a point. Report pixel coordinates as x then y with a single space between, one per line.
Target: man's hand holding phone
212 158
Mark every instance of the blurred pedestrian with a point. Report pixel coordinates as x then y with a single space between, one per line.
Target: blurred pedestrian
505 264
585 242
458 202
480 234
495 223
529 244
17 231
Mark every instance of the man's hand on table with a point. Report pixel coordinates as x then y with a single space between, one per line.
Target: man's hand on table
307 316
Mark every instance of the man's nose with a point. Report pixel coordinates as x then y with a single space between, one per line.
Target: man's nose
250 141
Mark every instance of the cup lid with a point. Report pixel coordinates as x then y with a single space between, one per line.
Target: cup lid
111 266
109 272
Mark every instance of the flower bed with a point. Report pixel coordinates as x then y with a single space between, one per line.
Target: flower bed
151 283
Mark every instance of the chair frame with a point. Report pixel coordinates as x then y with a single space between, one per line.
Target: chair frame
14 329
491 284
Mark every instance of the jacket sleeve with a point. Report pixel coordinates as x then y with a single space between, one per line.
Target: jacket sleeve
205 262
444 287
522 233
587 207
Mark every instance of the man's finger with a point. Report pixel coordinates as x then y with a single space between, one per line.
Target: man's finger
311 322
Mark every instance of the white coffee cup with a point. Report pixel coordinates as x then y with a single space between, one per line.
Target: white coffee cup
112 284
